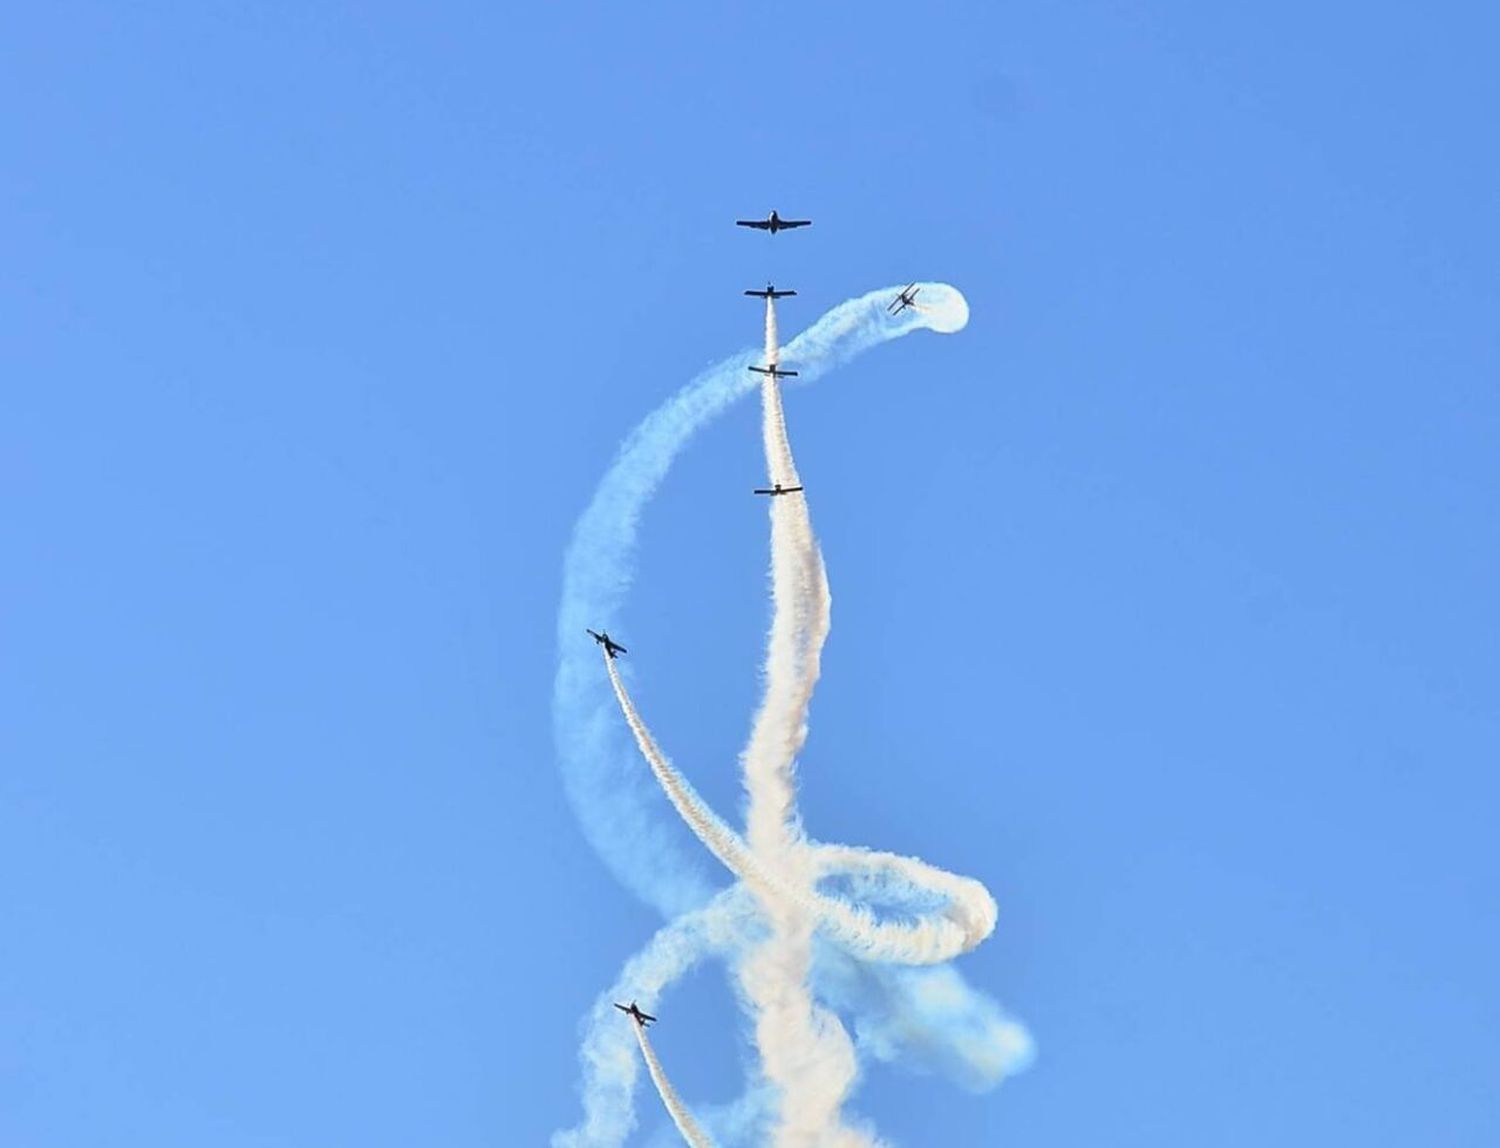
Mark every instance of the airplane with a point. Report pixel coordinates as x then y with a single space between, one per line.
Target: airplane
777 488
611 647
635 1014
775 372
772 223
904 300
770 293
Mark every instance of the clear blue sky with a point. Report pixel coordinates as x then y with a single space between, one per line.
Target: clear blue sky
1165 594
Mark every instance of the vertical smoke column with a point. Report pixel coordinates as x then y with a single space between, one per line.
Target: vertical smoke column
798 627
804 1050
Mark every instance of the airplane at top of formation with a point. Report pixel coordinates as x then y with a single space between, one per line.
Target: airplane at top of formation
904 300
611 647
770 293
772 223
635 1014
774 372
776 488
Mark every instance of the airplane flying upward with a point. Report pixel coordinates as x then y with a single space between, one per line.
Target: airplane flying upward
774 372
904 300
611 647
635 1014
770 293
772 223
776 488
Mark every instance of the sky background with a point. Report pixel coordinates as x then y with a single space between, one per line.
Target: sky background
1164 594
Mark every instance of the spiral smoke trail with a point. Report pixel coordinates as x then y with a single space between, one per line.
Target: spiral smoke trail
929 1017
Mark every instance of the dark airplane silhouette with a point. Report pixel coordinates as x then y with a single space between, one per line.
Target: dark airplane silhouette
777 488
611 647
635 1014
772 223
774 372
904 300
770 293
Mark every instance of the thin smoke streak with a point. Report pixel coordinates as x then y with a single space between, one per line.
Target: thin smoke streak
681 1117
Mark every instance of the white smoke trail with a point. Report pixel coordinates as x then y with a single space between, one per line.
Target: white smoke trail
806 1054
681 1117
929 1017
800 599
964 916
710 829
608 1053
773 338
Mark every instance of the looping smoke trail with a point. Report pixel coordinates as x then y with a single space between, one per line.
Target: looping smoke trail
928 1016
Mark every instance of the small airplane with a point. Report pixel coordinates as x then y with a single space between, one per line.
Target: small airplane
777 488
611 647
770 293
635 1014
904 300
775 372
772 223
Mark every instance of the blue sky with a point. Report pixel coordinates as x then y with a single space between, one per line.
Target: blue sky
1164 593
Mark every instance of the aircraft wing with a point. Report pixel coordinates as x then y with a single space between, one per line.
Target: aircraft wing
620 648
647 1016
762 224
795 222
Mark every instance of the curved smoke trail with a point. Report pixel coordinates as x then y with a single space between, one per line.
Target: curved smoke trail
927 1013
965 918
608 1054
